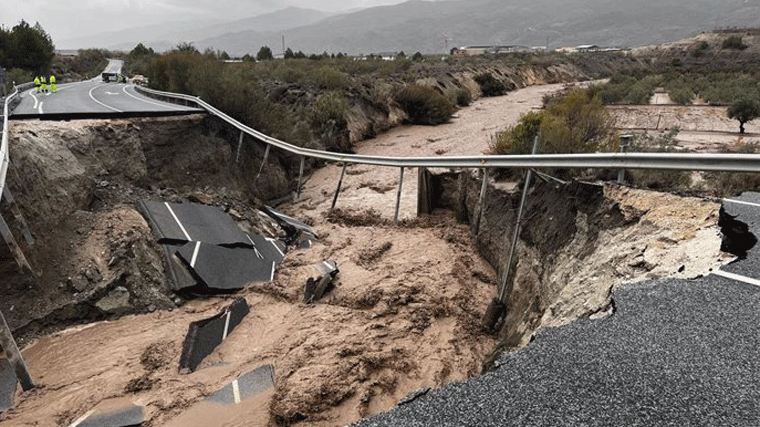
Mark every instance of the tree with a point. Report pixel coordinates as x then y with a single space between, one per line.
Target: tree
289 54
224 56
26 47
265 54
743 110
248 58
186 47
417 57
141 50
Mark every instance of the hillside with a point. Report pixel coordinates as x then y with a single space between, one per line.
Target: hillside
431 27
166 36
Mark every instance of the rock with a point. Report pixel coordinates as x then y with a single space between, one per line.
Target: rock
79 283
117 301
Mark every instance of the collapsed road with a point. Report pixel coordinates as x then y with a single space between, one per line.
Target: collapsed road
403 313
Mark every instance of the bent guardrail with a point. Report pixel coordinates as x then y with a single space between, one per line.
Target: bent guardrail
631 160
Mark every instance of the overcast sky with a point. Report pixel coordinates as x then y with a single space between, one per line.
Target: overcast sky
73 18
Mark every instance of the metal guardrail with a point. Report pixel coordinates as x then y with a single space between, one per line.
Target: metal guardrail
4 145
663 161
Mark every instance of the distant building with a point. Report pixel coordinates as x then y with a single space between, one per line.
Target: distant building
483 50
587 48
67 52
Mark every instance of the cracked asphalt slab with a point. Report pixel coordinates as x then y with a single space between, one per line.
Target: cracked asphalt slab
674 353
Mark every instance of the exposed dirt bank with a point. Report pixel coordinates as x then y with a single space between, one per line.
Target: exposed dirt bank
405 311
581 241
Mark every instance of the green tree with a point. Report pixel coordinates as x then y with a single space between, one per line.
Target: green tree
743 110
29 48
289 54
224 56
417 57
141 50
186 47
265 54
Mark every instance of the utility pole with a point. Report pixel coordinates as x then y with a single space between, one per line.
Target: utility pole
283 45
14 356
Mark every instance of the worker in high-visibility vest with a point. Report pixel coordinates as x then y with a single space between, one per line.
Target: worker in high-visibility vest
43 84
52 83
37 83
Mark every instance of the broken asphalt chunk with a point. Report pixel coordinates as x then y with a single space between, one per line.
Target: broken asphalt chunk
187 222
220 269
317 286
113 413
268 249
299 233
205 335
254 382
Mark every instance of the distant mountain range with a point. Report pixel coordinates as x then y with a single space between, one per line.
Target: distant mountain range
435 27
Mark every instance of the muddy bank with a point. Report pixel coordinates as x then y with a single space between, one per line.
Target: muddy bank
580 241
78 183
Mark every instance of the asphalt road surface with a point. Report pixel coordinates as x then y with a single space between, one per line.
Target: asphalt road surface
94 98
674 353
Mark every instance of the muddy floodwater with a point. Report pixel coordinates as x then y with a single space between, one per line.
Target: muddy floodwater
404 312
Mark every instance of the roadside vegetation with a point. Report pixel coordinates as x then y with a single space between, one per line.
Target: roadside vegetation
571 122
25 50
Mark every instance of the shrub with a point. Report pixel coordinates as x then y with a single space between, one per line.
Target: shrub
728 184
330 78
424 105
460 97
734 42
653 178
518 139
679 92
575 122
489 85
327 117
19 76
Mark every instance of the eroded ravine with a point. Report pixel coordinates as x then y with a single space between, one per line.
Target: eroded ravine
405 312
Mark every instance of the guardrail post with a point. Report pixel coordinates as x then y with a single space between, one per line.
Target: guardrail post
424 196
300 178
18 215
240 146
625 141
340 182
14 356
516 234
5 231
481 201
398 195
263 162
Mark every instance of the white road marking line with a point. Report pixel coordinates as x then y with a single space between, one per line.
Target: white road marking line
39 110
35 100
236 391
271 276
737 277
226 326
105 105
258 254
187 236
272 241
124 89
82 418
195 254
741 202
